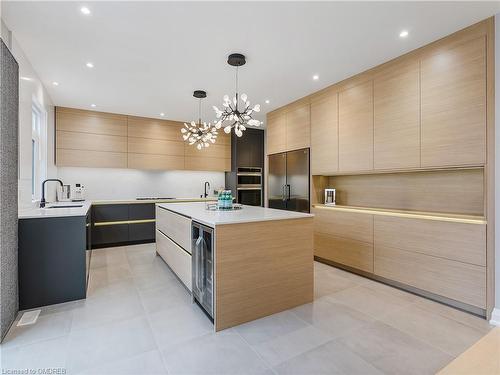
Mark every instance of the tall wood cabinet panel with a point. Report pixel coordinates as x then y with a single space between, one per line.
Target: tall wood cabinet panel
91 159
276 133
298 127
324 135
454 105
356 128
90 142
397 117
77 120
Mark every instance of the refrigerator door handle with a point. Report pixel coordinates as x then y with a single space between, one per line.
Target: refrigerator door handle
288 187
196 263
283 193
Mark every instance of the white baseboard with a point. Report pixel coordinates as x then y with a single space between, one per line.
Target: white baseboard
495 317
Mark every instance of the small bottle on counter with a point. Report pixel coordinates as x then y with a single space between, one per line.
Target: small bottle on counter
220 200
229 200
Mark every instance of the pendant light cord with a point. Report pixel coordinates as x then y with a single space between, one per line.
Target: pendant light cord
199 111
237 99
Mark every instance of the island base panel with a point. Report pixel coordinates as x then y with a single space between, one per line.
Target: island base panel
269 271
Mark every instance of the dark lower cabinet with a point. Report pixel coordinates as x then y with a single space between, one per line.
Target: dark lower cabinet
53 260
122 224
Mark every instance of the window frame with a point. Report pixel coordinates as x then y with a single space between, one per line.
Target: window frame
38 148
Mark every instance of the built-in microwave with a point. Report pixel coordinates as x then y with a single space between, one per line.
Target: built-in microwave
249 186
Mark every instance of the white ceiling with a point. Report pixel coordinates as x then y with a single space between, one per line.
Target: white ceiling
150 56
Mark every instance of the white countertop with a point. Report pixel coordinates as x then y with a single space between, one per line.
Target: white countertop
38 213
198 212
35 212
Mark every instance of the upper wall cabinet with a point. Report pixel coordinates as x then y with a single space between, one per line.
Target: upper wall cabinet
324 135
356 128
397 117
217 157
454 106
95 139
298 126
276 133
90 139
154 144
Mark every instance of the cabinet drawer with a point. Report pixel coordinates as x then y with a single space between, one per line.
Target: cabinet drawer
141 211
141 232
355 226
109 234
456 280
176 258
352 253
110 212
455 241
175 226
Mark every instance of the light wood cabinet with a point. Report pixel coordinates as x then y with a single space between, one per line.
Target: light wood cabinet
276 133
396 132
324 135
95 139
343 237
298 128
454 105
175 226
461 242
356 128
90 139
458 281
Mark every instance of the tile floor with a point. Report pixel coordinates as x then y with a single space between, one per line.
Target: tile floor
138 319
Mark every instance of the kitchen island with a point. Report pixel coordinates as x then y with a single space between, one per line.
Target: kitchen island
262 258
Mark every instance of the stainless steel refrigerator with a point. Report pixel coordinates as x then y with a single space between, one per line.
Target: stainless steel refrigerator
289 180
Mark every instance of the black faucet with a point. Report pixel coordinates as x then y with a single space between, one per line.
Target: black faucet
207 186
42 200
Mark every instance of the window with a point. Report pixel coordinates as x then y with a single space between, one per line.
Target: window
38 149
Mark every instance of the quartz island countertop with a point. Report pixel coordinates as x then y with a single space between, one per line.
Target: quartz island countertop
197 211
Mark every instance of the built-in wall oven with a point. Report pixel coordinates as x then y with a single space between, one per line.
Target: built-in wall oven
202 258
249 186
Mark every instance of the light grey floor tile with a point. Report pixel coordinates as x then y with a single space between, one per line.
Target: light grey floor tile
166 297
375 303
329 359
97 311
41 355
108 257
47 327
443 333
174 326
286 346
215 353
124 287
270 327
455 314
334 319
326 283
395 352
111 342
150 363
110 273
153 277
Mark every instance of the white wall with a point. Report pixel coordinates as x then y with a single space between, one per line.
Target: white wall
107 183
31 88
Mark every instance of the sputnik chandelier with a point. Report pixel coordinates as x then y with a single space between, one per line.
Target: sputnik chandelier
200 134
237 115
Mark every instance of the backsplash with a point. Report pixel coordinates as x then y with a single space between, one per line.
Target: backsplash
111 183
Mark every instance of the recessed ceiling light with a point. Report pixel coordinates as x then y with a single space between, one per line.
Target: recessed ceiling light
162 114
89 65
267 101
403 34
25 78
315 77
55 83
93 105
85 10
